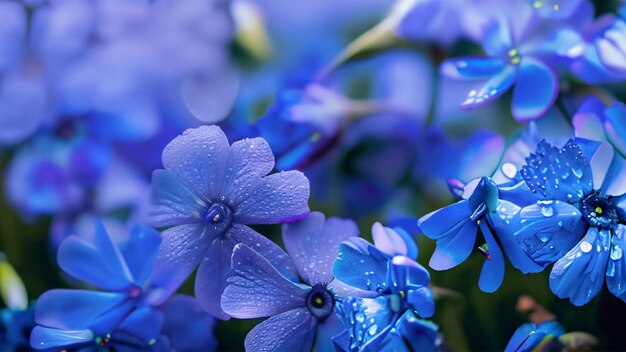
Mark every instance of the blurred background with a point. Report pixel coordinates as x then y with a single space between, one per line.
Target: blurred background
91 92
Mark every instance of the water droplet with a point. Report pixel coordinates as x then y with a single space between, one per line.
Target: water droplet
616 253
577 172
509 170
547 211
372 330
585 247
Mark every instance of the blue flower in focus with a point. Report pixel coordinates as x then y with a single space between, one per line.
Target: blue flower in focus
578 220
207 195
536 337
298 311
122 270
525 49
455 228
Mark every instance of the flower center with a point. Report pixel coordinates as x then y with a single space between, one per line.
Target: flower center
320 302
599 211
219 217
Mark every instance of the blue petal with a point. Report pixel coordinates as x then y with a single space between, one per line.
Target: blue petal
214 269
280 197
563 174
501 222
313 244
615 126
490 90
42 338
422 301
200 158
99 263
141 326
492 273
616 270
181 250
498 38
356 267
325 332
455 245
297 329
174 203
547 230
587 121
579 275
471 67
139 252
24 103
256 289
187 325
422 335
615 180
441 222
81 309
535 90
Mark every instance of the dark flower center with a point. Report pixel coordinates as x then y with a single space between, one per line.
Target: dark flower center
219 217
320 302
67 128
599 211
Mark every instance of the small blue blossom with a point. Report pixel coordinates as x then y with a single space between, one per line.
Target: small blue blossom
207 194
298 311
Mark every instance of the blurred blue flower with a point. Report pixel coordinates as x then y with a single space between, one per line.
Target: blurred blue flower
532 337
15 327
594 121
207 195
524 48
298 311
187 325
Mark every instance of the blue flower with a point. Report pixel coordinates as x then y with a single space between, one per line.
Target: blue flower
536 337
579 220
521 54
122 270
298 311
594 121
392 281
207 195
187 325
15 326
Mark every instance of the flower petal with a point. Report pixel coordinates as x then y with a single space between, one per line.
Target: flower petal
181 250
356 266
173 202
99 263
490 90
616 270
579 275
471 67
280 197
313 244
187 325
492 273
587 121
615 126
454 247
42 338
388 240
141 326
140 251
82 309
200 158
293 330
440 223
535 90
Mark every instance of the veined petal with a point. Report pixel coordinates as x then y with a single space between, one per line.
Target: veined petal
42 338
313 243
174 203
280 197
579 275
535 90
293 330
492 273
181 250
471 67
99 263
82 309
491 90
200 158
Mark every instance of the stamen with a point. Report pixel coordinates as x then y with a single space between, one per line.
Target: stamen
598 210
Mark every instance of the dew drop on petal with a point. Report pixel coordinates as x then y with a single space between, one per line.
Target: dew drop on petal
585 247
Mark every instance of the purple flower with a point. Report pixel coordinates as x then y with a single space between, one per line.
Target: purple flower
207 195
298 311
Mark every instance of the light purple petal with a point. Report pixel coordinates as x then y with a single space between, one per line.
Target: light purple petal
289 331
181 250
535 90
388 241
615 126
251 159
210 96
200 158
98 263
313 244
256 289
212 274
174 203
280 197
579 275
24 106
587 121
12 33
